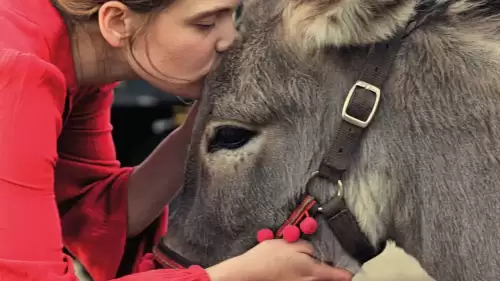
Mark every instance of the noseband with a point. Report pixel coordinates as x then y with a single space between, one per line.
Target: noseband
360 106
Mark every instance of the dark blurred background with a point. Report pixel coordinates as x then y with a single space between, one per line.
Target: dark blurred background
142 116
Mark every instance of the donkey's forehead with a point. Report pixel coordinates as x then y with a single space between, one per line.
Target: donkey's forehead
246 86
248 104
270 74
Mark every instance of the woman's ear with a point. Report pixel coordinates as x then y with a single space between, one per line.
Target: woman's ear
116 23
312 24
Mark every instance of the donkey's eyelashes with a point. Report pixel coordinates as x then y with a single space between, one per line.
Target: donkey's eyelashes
229 137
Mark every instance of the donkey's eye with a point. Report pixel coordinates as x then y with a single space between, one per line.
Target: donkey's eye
229 137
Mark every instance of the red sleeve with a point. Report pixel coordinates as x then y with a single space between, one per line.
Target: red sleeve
32 94
32 99
91 188
11 270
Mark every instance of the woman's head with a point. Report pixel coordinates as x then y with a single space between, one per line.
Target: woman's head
170 43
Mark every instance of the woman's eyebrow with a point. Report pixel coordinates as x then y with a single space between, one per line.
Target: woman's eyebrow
211 12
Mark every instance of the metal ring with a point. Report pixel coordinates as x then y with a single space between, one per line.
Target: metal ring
340 190
184 101
339 196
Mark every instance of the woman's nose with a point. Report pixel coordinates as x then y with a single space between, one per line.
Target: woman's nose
227 38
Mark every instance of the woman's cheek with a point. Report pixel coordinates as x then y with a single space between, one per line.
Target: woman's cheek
201 52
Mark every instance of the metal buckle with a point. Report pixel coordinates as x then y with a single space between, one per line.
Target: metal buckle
340 190
336 198
353 120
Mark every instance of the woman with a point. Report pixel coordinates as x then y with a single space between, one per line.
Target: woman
60 182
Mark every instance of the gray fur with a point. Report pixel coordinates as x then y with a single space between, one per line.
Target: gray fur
428 170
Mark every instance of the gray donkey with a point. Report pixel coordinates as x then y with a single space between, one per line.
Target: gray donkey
426 172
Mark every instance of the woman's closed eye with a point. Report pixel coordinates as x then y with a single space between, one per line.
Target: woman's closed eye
207 23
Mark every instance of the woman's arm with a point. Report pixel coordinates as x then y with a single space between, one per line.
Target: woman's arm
101 202
92 191
155 182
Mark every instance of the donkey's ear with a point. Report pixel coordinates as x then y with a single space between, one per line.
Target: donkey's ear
319 23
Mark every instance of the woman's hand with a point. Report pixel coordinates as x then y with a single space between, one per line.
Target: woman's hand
277 260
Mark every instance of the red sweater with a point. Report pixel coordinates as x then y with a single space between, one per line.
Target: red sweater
60 182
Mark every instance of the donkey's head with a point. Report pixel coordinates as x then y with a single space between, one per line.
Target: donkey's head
268 118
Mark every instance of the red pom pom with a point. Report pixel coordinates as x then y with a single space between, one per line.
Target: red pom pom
291 233
264 234
308 225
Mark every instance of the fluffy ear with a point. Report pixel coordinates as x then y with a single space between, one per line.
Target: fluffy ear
318 23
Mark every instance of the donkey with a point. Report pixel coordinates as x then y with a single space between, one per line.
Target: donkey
426 172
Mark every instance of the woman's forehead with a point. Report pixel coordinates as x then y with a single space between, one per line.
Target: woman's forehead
204 8
197 9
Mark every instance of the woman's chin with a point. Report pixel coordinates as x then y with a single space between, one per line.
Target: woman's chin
186 91
189 91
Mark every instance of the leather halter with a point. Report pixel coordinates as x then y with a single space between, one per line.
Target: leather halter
358 111
360 106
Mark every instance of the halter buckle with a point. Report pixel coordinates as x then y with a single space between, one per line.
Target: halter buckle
353 120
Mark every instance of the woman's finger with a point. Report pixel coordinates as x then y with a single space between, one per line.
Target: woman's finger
302 246
324 272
